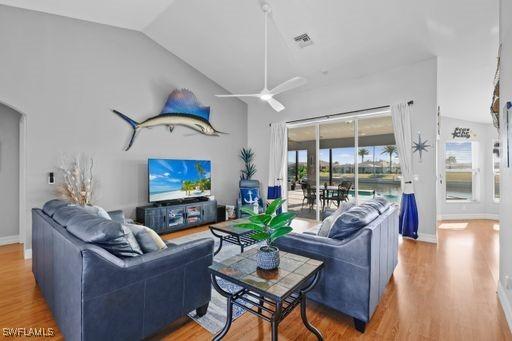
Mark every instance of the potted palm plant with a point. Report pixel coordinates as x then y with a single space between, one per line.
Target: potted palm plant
268 226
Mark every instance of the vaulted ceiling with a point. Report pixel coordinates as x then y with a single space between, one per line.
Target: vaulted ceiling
224 39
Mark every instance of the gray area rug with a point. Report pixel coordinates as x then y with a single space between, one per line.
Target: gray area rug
215 318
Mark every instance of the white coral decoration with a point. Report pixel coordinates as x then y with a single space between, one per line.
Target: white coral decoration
78 179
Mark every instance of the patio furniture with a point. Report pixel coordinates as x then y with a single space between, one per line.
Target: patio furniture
342 192
309 195
269 294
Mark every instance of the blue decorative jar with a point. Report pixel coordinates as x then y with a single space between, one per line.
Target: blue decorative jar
267 258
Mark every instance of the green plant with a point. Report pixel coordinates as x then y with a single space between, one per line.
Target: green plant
391 150
247 156
268 226
362 153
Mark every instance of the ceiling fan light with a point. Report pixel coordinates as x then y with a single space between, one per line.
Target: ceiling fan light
265 97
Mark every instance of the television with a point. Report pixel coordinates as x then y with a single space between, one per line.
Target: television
170 179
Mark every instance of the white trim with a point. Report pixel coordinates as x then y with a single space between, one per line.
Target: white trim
505 304
9 240
22 220
427 238
469 216
27 253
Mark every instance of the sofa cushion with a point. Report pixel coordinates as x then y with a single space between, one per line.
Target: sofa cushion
379 203
326 226
351 221
148 239
53 205
97 211
64 214
110 235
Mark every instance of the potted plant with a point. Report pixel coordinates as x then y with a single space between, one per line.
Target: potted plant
268 226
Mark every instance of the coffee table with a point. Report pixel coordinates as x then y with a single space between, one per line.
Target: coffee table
232 234
270 295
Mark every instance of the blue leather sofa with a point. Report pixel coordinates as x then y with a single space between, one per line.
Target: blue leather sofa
356 269
95 295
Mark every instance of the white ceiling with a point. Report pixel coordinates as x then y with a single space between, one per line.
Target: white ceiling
224 39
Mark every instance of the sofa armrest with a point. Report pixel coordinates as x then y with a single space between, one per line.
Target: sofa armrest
354 250
104 273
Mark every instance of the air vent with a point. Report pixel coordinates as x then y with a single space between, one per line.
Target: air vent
303 40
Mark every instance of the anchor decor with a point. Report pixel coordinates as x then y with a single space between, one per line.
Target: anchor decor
251 201
420 146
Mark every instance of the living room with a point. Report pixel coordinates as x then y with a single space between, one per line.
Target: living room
362 193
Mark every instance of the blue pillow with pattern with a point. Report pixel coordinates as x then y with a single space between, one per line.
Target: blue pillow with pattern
249 196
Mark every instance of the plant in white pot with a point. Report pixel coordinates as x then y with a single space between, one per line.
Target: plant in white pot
268 226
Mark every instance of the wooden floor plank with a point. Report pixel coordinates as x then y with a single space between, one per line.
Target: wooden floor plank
438 292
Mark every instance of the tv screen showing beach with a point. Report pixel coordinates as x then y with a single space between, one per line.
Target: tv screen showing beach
178 179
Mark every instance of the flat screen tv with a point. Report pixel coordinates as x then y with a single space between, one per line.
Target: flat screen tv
178 179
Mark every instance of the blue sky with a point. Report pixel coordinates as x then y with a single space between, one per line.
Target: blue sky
168 175
344 155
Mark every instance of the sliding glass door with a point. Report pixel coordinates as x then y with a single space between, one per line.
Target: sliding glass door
342 160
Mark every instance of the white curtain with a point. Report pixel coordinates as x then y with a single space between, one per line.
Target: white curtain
277 156
401 114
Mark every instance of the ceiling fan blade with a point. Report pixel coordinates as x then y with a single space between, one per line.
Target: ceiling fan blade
293 83
239 95
275 104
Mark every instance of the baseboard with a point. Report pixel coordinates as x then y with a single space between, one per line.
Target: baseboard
9 240
505 304
427 238
27 253
469 216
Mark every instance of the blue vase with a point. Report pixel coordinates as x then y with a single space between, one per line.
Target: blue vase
267 258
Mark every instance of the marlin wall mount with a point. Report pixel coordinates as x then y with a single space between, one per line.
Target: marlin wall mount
181 109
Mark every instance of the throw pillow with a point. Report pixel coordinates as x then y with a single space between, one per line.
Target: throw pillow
53 205
379 203
353 220
148 239
249 195
64 214
97 211
110 235
326 226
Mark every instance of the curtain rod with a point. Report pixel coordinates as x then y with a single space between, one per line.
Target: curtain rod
341 114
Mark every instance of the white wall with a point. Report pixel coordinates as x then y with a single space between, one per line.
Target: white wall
505 289
485 207
9 174
416 82
66 75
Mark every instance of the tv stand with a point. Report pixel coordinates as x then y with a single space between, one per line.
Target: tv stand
177 215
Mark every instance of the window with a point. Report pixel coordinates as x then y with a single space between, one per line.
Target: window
297 165
461 171
496 170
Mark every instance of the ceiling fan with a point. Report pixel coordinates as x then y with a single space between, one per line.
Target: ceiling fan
265 94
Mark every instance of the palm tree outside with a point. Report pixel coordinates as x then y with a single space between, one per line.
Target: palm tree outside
391 150
362 153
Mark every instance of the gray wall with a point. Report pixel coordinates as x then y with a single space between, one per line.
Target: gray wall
9 171
416 82
65 75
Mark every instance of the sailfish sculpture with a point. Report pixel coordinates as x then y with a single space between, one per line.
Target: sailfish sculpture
181 109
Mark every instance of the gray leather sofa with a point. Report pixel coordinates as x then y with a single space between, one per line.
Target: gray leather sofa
356 270
95 295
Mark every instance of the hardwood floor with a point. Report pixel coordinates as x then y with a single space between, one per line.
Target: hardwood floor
438 292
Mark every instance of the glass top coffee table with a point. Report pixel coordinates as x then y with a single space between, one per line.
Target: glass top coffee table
269 294
232 234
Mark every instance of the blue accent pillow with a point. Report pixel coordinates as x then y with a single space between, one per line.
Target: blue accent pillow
379 203
249 196
53 205
353 220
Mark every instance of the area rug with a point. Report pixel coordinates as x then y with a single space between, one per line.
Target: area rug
215 318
